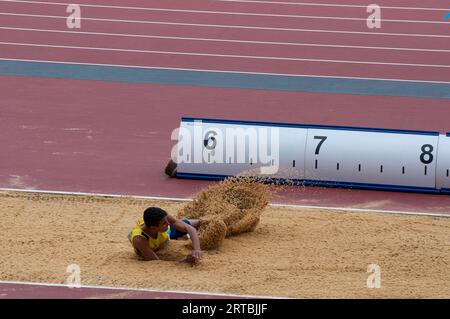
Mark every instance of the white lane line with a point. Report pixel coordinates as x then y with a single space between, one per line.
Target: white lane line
228 26
362 210
224 40
232 13
231 56
175 199
330 5
46 284
38 191
223 71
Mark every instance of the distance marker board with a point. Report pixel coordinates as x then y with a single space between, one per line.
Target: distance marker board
356 157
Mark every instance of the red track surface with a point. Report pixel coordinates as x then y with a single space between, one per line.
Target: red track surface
247 57
115 137
103 137
36 291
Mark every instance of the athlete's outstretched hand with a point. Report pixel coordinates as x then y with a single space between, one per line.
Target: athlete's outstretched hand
193 258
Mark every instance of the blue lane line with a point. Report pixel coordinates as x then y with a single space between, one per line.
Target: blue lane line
225 80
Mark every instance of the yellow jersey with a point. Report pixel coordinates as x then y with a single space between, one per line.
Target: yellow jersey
154 243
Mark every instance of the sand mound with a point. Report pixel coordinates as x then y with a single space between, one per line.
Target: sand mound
231 207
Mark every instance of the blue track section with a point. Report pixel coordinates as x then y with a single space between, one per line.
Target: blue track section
225 80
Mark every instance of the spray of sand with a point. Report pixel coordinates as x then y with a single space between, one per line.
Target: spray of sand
231 207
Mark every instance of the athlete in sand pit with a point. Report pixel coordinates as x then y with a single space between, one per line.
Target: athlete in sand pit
157 227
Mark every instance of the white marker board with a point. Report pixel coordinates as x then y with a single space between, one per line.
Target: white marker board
318 155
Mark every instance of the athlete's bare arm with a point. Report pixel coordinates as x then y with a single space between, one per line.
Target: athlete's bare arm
185 228
141 244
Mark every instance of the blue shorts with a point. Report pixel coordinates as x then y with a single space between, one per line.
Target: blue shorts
175 234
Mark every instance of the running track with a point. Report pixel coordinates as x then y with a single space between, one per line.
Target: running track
20 290
92 110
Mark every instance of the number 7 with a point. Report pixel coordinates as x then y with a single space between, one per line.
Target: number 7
322 139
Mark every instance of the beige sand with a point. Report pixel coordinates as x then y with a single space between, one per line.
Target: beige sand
295 253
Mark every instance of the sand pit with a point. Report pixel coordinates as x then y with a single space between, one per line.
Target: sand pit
291 252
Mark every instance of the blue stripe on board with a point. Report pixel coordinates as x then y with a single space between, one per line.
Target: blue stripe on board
412 189
225 80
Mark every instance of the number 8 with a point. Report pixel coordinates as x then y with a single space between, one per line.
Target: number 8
426 151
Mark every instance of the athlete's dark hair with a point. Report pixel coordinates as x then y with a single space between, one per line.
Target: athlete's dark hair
153 215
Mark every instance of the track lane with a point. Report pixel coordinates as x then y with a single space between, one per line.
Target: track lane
27 290
274 66
243 7
212 47
387 3
137 16
324 37
165 53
